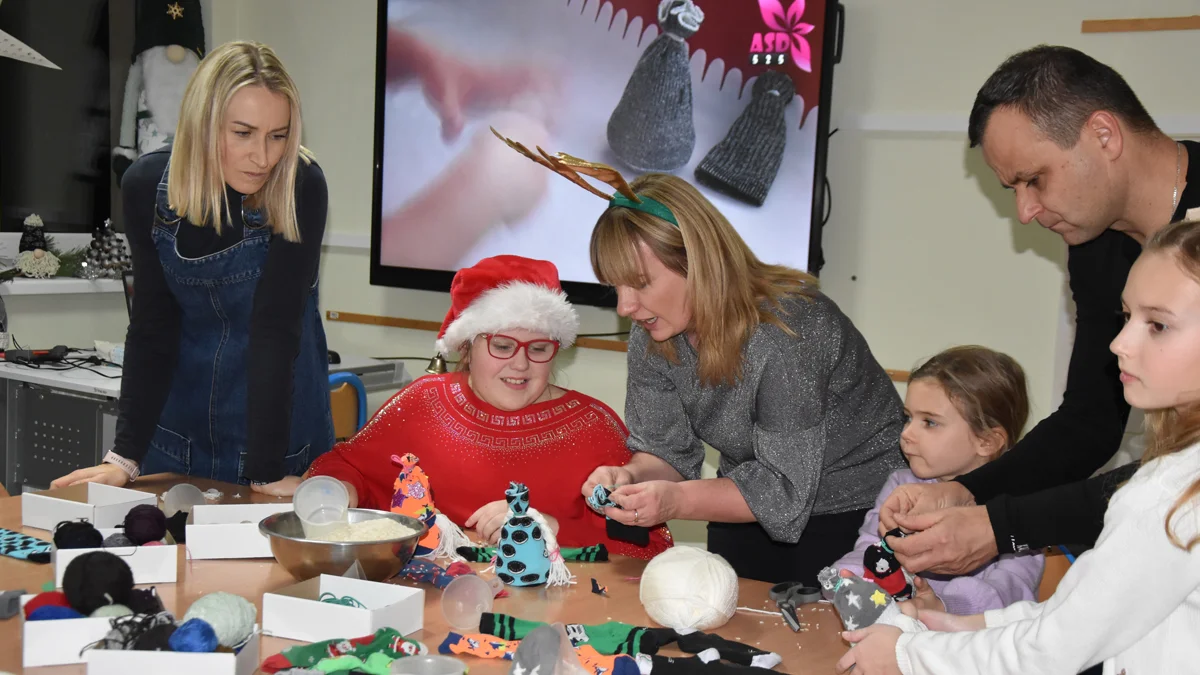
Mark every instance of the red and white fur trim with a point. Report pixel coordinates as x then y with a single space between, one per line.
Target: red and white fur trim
513 305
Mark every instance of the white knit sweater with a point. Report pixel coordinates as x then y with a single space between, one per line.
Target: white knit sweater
1132 602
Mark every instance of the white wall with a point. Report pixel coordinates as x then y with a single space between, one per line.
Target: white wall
923 250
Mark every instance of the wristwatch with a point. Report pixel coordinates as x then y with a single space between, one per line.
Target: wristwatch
128 466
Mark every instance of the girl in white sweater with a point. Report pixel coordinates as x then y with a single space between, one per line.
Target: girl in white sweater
1132 602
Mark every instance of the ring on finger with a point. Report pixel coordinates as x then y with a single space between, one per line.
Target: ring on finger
635 515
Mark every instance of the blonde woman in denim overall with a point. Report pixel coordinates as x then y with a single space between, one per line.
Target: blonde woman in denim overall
226 368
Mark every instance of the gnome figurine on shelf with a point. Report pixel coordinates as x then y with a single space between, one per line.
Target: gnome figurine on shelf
651 128
528 554
168 45
107 256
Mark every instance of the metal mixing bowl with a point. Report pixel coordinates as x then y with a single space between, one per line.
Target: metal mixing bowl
307 558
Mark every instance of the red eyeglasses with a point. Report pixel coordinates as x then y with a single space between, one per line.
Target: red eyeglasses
505 347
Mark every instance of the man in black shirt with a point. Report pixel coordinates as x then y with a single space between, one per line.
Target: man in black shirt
1069 137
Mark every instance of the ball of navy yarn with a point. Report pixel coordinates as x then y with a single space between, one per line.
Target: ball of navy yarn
145 523
45 599
47 612
117 539
195 635
231 616
157 639
77 534
110 611
145 601
96 579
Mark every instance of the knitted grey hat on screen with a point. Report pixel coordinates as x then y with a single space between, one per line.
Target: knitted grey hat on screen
743 165
651 128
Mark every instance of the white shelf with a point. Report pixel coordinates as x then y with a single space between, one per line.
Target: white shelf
59 286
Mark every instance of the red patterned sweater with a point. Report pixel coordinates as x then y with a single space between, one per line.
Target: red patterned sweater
471 451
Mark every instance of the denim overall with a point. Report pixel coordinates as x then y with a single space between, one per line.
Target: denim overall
202 429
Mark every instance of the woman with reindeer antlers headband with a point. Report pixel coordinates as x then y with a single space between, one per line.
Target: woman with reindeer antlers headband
749 358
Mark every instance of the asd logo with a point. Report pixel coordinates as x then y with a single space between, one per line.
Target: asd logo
785 37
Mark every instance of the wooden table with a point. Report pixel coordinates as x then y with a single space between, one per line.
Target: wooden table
814 650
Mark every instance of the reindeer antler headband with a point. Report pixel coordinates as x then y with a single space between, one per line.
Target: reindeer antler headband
571 167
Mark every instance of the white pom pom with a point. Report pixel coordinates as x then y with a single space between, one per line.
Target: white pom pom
689 588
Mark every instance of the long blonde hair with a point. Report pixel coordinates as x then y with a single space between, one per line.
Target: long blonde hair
196 181
1173 429
729 289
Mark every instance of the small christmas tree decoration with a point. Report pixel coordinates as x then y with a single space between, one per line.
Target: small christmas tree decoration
651 128
33 235
107 256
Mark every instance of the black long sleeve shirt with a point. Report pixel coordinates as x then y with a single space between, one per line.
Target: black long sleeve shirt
1038 493
152 341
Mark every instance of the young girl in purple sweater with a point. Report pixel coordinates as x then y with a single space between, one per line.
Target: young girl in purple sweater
965 407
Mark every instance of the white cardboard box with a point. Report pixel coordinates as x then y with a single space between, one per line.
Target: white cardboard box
226 531
150 564
122 662
58 642
294 612
101 505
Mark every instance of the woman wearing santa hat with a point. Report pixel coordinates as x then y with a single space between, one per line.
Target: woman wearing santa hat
226 370
497 418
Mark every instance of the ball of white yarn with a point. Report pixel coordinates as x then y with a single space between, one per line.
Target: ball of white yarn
688 587
231 616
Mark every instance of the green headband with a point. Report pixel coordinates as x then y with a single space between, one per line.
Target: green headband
647 205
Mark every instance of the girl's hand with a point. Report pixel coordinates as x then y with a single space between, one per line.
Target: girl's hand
284 487
873 653
488 519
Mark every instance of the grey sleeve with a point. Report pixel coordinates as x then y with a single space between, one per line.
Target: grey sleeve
780 483
654 413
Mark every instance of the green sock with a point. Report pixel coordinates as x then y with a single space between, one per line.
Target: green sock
375 664
385 641
597 553
477 553
608 638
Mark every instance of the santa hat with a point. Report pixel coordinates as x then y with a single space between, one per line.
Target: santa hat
161 23
507 291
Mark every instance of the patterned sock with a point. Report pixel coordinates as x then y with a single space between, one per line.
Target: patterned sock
385 641
727 650
479 644
477 553
863 603
695 665
881 566
425 572
598 500
596 663
597 553
24 547
538 652
608 638
375 664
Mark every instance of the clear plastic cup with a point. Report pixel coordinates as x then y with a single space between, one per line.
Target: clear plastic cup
428 665
182 497
322 505
464 600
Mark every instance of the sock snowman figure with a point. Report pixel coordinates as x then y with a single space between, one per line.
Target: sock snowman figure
528 554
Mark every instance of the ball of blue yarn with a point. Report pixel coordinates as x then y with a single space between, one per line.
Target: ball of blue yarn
231 616
195 635
47 612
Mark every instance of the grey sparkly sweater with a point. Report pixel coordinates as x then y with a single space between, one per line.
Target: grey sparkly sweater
813 426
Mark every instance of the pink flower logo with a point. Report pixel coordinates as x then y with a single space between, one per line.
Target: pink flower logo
789 22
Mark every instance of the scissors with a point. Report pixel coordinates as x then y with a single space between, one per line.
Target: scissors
789 595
